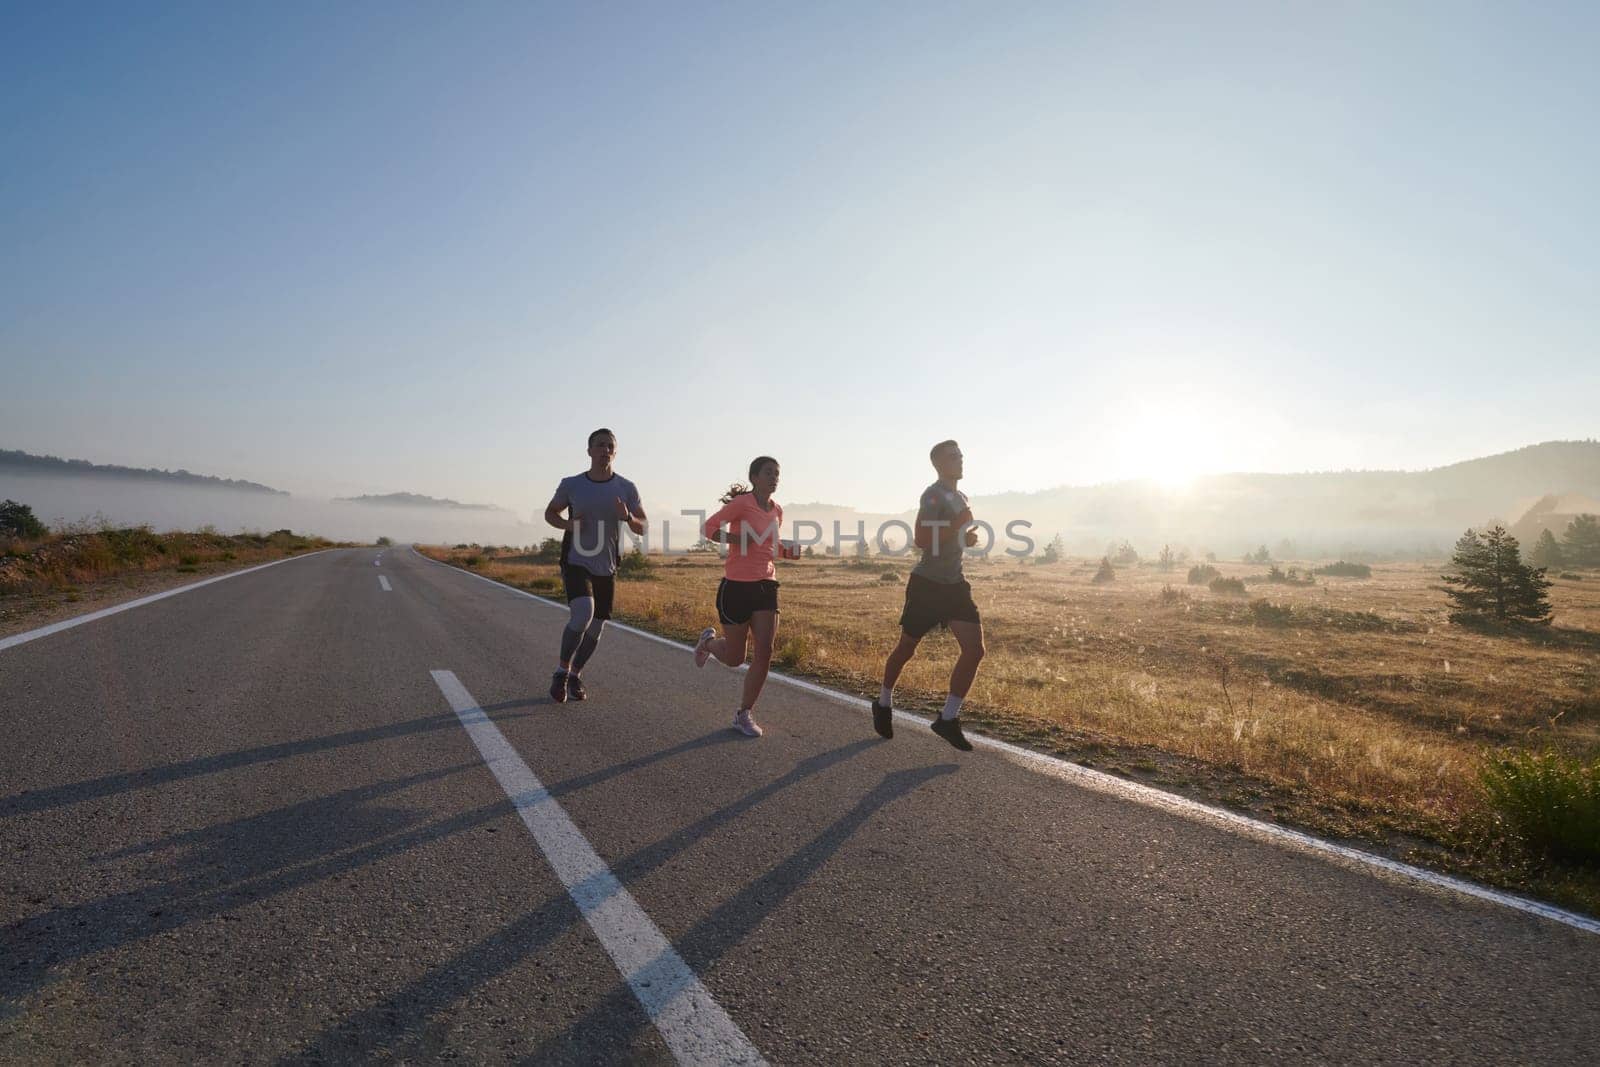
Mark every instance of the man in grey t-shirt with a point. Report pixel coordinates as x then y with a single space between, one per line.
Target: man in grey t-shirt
598 503
937 595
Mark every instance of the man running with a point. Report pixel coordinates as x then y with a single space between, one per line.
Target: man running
937 595
598 502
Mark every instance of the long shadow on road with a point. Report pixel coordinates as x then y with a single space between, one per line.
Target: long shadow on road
729 924
229 866
95 788
401 1022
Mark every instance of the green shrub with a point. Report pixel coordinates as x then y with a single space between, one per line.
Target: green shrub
793 651
1342 569
1202 573
1266 613
636 566
1106 572
1550 803
1227 586
17 520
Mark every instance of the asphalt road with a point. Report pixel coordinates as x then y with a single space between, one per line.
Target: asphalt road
247 824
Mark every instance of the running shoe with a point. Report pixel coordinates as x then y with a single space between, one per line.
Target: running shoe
558 687
575 688
950 730
702 647
746 725
883 719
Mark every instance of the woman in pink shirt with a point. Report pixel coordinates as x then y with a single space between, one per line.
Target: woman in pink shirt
747 596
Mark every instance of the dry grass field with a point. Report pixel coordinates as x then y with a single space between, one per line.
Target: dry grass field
1349 706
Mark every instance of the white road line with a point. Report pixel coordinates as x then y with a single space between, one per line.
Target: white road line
67 624
1151 797
694 1026
385 583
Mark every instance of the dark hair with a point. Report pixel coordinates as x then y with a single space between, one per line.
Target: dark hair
597 433
933 453
739 488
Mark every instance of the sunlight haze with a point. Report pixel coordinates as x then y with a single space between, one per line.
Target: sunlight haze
400 247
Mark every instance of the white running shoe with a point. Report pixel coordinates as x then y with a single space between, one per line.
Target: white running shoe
746 725
702 648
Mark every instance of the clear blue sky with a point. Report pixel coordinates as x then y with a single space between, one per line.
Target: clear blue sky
373 247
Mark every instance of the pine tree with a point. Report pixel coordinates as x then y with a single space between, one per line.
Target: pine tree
1489 580
1166 559
1546 551
1106 572
1580 545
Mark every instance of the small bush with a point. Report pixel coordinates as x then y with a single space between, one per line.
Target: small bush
473 560
1202 573
384 542
1266 613
1172 596
890 576
636 566
1569 576
1227 586
1106 573
1342 569
17 520
1548 802
188 560
795 649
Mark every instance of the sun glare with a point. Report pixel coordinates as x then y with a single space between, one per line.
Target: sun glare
1168 446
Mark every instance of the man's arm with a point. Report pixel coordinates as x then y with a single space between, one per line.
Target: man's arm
634 517
552 513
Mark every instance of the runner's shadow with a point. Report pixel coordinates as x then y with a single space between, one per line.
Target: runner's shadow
229 866
729 924
37 800
409 1016
583 781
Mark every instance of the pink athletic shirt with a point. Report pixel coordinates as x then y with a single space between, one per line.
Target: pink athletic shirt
753 537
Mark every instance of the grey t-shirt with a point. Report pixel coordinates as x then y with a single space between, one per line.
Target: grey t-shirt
592 543
941 563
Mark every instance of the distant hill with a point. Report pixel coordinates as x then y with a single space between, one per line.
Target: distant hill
1318 513
51 465
413 500
1553 513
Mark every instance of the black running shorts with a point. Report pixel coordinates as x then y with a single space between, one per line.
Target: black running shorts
737 601
580 582
930 603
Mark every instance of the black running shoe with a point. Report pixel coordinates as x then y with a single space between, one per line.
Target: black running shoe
950 730
575 688
558 687
883 719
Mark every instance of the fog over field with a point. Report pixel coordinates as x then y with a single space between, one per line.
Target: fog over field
1296 516
127 502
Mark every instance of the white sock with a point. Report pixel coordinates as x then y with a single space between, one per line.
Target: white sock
885 696
952 707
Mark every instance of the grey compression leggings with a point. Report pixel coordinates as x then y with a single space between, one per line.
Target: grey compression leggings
582 633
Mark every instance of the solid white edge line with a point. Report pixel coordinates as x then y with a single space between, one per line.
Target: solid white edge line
1149 796
79 620
693 1025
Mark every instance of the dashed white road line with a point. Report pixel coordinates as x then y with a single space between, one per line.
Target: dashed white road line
693 1025
1151 797
383 581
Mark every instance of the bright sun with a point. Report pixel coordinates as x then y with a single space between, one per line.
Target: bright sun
1168 446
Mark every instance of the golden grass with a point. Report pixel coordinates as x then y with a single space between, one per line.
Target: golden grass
1360 696
62 561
